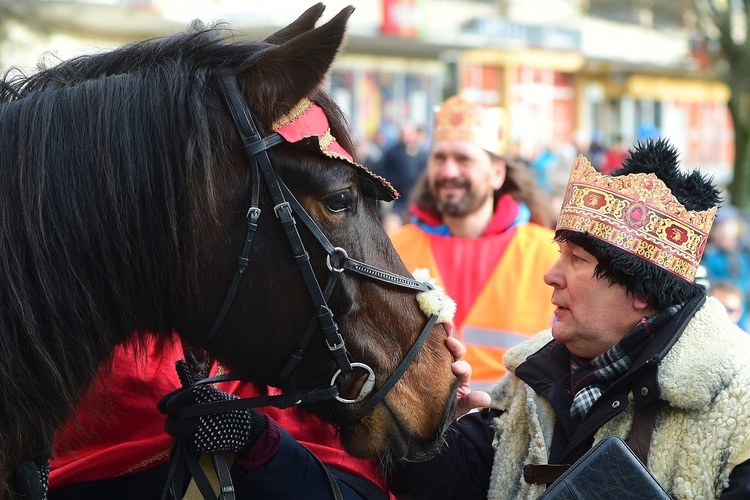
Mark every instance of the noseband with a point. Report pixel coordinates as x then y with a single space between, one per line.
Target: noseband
286 207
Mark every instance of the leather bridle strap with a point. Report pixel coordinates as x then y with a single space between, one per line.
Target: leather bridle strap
312 396
347 262
299 350
336 268
252 143
253 214
400 370
286 206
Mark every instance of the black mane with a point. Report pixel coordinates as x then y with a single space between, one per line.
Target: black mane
90 217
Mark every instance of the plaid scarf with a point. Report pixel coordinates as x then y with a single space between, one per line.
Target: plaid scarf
589 379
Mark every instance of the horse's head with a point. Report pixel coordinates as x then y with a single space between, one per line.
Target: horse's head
379 321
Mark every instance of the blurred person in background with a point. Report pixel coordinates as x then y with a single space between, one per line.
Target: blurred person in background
403 163
732 297
369 153
726 259
613 156
480 225
543 165
596 152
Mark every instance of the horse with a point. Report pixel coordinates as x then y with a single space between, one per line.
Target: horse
200 183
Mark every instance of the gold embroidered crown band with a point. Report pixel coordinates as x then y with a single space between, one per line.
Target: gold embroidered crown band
637 213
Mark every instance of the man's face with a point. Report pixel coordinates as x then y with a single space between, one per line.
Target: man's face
591 315
462 177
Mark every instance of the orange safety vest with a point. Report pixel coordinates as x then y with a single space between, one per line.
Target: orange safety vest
511 306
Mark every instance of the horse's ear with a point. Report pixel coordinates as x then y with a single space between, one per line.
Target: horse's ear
303 24
285 74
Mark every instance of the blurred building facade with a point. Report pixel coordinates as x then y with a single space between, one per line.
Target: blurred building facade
567 71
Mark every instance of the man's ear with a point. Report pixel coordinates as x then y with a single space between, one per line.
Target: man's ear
641 304
499 171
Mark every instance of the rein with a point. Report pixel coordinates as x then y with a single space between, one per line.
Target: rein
286 207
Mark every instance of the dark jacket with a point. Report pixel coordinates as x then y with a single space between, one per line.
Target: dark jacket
402 167
463 470
293 472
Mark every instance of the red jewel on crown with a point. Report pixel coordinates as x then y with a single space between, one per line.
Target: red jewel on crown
636 216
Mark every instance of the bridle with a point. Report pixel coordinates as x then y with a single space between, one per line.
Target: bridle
286 208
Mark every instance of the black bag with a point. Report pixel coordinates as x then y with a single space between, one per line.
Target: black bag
609 470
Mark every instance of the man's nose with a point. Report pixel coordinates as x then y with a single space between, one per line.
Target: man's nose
553 277
449 169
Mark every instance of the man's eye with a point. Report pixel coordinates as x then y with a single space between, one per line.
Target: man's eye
339 202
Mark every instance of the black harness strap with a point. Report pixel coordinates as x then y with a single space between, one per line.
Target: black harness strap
347 262
396 376
253 214
299 350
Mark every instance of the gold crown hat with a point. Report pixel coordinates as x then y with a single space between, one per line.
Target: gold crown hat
637 213
461 119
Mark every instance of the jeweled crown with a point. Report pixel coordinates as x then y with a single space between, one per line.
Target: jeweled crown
637 213
459 118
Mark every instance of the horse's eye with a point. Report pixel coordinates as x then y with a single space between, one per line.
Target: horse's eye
340 202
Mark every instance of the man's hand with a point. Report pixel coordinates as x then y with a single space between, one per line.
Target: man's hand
467 400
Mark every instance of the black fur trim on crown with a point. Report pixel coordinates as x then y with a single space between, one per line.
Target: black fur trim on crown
693 190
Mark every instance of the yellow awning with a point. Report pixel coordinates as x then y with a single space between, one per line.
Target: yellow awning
675 89
566 62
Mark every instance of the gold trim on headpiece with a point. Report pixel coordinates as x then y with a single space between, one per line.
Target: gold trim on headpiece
306 120
297 111
637 213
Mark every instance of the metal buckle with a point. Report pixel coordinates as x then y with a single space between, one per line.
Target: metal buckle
278 207
253 212
336 347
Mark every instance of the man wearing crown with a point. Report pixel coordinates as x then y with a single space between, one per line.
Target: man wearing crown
481 226
637 350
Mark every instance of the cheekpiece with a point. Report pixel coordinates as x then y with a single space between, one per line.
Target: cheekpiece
637 213
308 121
461 119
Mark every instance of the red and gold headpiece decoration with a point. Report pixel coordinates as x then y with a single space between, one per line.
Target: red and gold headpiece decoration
637 213
307 120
